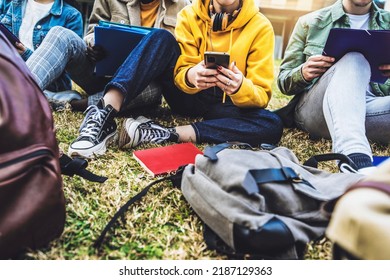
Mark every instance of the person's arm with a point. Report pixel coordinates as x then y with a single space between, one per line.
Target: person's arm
100 11
290 79
256 86
74 22
191 75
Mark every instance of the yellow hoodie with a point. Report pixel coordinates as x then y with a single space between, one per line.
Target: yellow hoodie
249 40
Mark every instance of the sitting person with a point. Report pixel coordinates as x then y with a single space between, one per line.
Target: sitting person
335 100
236 27
67 52
31 20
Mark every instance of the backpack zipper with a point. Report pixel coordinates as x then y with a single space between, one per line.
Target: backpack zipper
28 156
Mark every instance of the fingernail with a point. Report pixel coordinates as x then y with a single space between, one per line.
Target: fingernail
234 63
219 67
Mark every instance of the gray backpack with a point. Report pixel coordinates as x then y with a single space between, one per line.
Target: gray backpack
263 203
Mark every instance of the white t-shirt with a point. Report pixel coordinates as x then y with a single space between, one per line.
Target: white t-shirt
359 21
34 12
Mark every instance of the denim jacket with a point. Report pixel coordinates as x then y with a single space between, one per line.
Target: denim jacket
61 14
309 38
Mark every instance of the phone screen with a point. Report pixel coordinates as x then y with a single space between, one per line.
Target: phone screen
214 59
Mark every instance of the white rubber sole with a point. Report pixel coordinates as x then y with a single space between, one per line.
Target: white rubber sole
94 151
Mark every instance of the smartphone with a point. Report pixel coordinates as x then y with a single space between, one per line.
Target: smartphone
10 36
214 59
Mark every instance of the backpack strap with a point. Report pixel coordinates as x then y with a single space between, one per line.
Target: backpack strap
314 160
174 178
77 166
255 178
211 151
268 175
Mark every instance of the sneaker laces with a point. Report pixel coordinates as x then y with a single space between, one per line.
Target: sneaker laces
150 132
92 122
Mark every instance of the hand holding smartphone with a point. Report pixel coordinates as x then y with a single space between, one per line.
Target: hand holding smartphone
213 59
10 36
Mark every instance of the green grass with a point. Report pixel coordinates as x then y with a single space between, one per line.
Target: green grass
162 225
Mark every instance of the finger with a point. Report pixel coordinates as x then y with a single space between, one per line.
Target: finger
318 64
235 69
386 73
208 72
385 67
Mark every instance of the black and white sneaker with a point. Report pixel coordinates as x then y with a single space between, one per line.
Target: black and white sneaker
144 130
96 132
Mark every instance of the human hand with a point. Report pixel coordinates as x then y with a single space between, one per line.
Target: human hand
229 80
201 77
315 66
385 70
95 53
20 48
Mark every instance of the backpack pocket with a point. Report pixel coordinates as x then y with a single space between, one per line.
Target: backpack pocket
32 206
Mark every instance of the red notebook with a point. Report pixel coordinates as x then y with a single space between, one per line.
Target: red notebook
162 160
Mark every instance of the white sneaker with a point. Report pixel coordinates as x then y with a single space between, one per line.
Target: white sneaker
143 130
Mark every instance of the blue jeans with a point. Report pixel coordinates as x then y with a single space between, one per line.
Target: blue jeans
155 58
341 106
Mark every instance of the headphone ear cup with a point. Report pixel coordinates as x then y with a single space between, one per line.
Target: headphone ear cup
220 21
213 16
216 22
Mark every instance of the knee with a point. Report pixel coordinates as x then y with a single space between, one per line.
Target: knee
61 34
357 61
163 39
161 34
58 32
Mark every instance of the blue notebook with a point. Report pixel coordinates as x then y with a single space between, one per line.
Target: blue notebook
373 44
117 40
376 160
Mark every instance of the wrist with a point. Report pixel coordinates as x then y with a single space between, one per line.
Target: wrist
303 76
188 83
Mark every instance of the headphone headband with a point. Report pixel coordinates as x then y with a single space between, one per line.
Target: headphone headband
219 21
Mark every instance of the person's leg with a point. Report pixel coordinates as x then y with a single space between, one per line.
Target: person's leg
154 55
336 108
223 122
227 122
378 118
61 50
